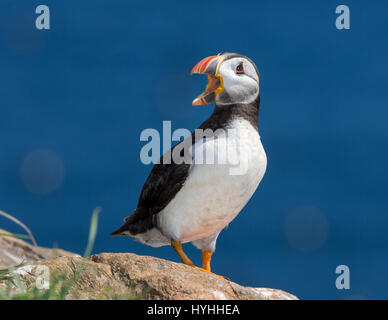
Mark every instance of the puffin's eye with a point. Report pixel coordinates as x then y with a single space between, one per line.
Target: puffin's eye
240 68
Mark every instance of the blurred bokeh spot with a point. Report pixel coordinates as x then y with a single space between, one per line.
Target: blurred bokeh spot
306 229
42 172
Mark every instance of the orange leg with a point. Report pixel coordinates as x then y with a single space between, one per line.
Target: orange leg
177 246
206 257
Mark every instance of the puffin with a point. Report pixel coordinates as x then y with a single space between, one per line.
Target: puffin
192 198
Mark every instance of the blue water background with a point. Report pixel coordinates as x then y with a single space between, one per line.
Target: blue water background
106 70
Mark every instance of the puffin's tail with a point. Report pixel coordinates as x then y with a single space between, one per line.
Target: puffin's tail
138 222
122 231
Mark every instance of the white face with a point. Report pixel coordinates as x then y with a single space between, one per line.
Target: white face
241 81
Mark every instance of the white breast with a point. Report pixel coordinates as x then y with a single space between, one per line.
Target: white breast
214 194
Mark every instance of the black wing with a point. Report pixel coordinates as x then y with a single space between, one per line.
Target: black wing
161 186
163 183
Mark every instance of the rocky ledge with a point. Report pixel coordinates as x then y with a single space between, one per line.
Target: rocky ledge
13 251
110 275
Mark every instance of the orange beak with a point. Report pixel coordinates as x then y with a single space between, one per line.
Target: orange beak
201 66
209 66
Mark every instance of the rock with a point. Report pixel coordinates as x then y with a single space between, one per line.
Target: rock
13 250
109 275
122 275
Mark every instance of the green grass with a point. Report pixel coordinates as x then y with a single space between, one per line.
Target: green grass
12 218
5 273
59 285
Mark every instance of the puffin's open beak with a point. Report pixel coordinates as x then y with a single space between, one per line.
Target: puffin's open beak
215 85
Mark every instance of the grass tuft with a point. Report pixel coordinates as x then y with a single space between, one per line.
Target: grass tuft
18 222
60 286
